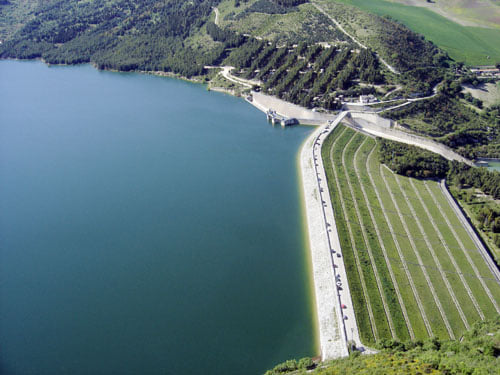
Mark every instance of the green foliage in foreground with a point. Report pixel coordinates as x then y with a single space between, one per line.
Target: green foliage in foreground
476 353
292 365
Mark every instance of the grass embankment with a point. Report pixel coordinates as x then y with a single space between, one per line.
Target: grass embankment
483 273
471 45
338 139
359 245
474 202
439 284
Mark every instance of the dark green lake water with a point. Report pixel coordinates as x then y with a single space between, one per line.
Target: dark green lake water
147 226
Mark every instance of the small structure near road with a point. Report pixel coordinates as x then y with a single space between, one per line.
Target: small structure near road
275 118
486 71
367 99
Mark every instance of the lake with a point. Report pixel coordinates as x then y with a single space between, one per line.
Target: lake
147 226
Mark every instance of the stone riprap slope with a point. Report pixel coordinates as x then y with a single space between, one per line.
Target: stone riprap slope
336 325
413 270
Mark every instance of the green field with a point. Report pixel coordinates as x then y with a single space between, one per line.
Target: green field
413 270
471 45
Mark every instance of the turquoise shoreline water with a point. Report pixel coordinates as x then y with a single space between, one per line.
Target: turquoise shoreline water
494 165
147 226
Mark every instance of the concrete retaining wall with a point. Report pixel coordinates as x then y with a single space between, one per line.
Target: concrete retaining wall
265 102
373 119
380 127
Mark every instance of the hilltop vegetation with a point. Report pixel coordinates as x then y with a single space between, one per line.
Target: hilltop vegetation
14 14
263 19
476 353
396 43
118 34
294 49
473 45
164 35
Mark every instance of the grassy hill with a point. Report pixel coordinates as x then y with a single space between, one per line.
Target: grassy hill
482 13
292 25
471 45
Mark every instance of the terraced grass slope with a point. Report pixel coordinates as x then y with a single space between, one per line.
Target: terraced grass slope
413 270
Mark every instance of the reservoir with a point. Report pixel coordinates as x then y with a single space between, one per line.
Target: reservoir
147 226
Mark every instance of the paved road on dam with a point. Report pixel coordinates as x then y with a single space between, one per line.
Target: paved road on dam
337 325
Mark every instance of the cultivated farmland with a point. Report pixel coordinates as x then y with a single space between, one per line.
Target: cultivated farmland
413 270
472 45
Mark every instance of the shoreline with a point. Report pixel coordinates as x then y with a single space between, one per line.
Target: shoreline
332 333
327 269
330 339
306 251
263 103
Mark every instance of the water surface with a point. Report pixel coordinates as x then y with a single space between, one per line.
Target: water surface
146 226
494 165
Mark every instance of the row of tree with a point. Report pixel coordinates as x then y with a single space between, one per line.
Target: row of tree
308 74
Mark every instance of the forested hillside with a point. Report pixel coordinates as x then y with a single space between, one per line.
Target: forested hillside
396 43
309 75
119 34
292 47
173 35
